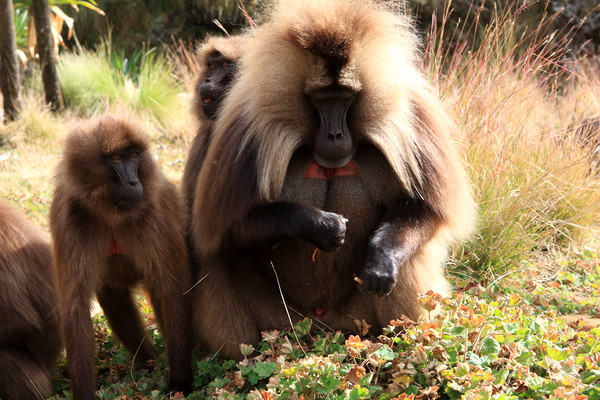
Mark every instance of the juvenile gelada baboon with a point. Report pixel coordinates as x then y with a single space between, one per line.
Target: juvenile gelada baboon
217 60
116 221
331 137
29 329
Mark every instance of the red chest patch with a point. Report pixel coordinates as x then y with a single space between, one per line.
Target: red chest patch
316 171
115 248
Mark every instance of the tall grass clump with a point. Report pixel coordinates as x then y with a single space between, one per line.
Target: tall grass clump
36 123
516 100
94 81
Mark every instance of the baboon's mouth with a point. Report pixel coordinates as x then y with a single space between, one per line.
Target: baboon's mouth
207 100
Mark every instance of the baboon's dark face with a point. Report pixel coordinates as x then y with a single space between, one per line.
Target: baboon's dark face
215 84
333 146
128 190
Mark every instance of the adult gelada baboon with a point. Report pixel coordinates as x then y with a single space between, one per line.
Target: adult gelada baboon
116 221
217 59
29 329
329 137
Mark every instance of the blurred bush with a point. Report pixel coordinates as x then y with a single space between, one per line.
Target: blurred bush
580 16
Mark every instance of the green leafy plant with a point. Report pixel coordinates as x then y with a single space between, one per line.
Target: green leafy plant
481 344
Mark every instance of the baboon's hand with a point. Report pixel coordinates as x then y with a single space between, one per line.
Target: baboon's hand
380 272
328 232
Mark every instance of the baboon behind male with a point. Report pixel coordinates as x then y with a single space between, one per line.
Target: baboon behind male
116 221
29 328
330 137
217 60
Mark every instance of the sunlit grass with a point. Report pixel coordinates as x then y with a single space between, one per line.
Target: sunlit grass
96 81
516 100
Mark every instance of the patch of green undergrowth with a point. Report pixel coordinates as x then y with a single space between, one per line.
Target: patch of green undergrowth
572 288
118 374
478 348
95 81
483 343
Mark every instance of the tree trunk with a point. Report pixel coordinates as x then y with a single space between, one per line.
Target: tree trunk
45 47
9 65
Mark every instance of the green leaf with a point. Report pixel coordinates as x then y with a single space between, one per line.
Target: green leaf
329 382
490 346
452 355
458 331
511 327
412 389
558 354
477 360
535 382
219 382
252 377
374 389
527 358
265 369
590 376
358 393
385 353
303 327
592 393
462 369
320 345
501 376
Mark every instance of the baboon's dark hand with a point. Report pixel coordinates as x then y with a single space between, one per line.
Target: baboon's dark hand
380 272
329 231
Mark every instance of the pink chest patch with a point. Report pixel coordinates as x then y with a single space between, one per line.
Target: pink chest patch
316 171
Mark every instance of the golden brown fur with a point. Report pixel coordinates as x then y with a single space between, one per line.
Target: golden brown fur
29 328
86 224
410 200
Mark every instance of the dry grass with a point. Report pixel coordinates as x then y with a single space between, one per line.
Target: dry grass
516 101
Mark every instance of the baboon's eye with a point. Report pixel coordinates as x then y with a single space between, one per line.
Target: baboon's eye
225 65
116 158
134 156
211 66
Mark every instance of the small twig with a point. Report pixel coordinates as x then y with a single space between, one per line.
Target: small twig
502 277
196 284
248 17
133 360
33 384
217 23
286 308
